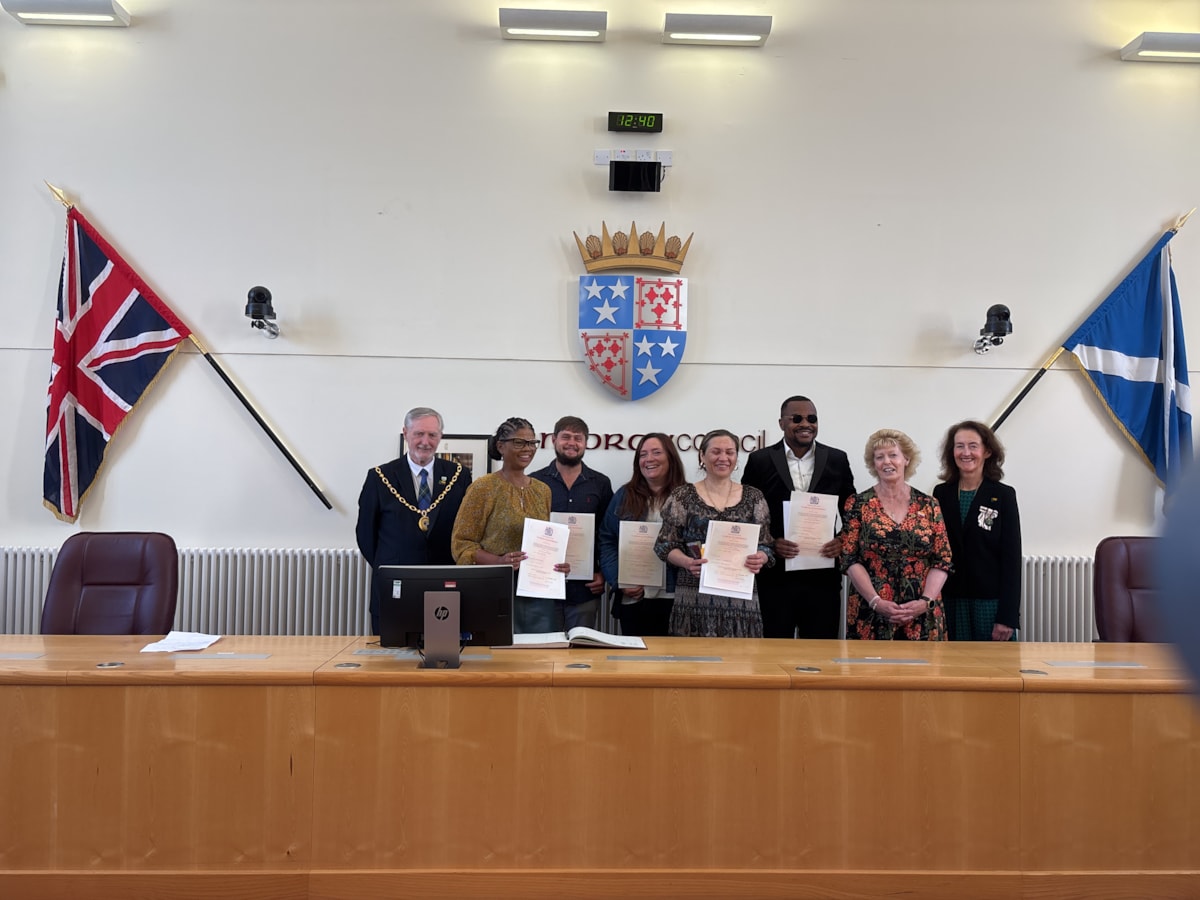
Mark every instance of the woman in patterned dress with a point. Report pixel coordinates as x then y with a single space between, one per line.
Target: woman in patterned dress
685 516
894 549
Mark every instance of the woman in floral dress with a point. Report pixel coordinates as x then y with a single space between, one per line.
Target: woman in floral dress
894 549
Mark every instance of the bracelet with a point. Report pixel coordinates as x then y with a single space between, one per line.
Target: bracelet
873 602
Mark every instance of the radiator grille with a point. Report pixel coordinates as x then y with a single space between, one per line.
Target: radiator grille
230 591
1057 602
236 591
24 576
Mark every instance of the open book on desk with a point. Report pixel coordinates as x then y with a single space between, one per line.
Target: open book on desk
579 636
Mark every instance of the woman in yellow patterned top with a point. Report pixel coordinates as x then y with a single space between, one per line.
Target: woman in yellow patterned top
491 520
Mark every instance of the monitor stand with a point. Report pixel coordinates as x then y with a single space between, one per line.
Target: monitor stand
443 647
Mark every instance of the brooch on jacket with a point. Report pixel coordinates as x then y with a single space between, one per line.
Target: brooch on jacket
987 516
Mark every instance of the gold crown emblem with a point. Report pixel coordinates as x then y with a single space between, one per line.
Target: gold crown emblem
662 253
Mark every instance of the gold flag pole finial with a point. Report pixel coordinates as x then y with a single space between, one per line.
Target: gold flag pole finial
1179 223
59 195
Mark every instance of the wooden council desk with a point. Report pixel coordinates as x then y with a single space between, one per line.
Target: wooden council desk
323 768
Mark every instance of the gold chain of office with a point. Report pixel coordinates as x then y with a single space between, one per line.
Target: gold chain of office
423 524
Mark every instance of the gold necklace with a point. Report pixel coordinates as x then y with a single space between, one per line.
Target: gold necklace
725 500
520 488
423 524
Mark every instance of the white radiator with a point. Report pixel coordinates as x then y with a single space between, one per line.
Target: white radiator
1056 599
229 591
24 576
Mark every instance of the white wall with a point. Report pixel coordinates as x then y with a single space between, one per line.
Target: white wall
406 184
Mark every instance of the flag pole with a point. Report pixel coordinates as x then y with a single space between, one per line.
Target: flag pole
58 195
259 419
1028 387
62 198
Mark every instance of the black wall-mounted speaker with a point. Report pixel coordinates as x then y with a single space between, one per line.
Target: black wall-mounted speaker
629 175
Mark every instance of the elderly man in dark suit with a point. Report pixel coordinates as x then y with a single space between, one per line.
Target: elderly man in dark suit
803 604
407 507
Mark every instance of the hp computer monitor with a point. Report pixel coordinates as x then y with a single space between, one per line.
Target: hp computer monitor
484 595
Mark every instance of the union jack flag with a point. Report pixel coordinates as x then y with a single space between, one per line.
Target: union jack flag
112 338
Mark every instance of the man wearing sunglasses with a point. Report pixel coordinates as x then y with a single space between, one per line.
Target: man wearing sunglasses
804 604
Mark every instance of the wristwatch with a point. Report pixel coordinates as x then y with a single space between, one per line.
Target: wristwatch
928 602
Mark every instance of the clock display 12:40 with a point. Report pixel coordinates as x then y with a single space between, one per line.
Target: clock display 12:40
651 123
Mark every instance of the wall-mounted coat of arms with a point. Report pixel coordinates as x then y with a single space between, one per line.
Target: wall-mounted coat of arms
633 328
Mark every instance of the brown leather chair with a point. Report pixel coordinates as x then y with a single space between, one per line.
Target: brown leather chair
1124 586
114 582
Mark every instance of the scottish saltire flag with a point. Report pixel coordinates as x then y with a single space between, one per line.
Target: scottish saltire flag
112 338
633 330
1131 347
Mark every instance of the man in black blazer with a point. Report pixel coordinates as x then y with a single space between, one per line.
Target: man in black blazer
806 604
399 521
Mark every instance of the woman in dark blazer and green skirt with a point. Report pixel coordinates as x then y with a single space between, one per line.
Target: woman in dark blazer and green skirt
983 596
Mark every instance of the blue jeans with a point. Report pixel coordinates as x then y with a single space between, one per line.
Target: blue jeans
572 614
533 615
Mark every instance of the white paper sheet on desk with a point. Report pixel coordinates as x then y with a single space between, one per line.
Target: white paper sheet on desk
182 640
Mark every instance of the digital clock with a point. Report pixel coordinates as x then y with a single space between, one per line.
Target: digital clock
649 123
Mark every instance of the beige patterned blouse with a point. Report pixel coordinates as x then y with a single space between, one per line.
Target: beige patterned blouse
492 516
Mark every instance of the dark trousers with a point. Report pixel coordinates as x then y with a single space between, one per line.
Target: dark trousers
649 617
801 604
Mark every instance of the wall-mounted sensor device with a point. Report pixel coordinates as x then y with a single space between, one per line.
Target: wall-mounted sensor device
631 175
261 312
997 326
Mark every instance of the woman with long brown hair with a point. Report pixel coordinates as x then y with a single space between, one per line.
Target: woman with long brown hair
657 470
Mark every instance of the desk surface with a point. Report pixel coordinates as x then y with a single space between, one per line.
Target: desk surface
87 659
666 662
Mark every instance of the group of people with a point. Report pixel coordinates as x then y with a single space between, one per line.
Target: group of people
920 567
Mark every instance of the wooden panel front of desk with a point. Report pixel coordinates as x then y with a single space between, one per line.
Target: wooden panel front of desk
162 776
776 772
661 782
